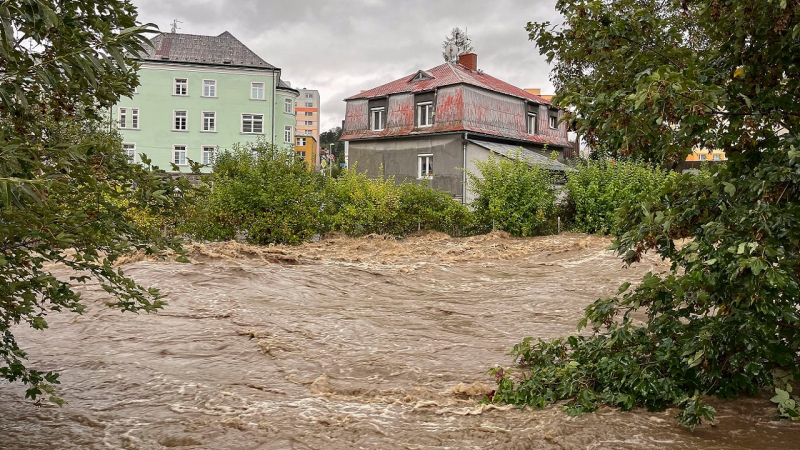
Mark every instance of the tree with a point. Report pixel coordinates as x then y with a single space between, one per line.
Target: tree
65 184
462 43
655 79
333 136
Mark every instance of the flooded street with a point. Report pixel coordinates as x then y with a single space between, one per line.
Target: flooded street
367 343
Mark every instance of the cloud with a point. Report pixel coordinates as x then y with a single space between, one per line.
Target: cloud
343 47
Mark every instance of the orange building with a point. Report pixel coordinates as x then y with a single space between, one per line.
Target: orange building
706 155
307 111
306 148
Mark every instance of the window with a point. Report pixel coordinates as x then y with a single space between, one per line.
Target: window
533 125
301 154
717 157
287 106
209 121
209 88
553 122
309 114
179 155
179 121
287 134
257 91
308 132
309 95
309 122
130 151
208 154
252 123
181 86
424 114
301 142
702 157
425 166
309 104
378 119
129 118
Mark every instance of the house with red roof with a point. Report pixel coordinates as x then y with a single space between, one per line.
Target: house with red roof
433 124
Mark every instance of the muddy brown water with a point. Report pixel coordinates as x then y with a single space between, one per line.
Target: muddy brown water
368 343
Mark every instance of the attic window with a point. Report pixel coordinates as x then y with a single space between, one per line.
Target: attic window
421 76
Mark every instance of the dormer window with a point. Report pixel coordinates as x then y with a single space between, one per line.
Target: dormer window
533 123
424 114
553 122
377 118
421 76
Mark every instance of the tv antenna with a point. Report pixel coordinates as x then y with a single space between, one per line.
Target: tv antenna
175 26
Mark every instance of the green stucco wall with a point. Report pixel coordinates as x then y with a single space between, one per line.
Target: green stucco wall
156 103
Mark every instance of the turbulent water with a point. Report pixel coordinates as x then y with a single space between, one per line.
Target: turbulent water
365 343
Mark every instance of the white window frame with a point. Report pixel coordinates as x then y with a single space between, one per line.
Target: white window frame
204 151
309 122
717 157
175 151
175 120
309 114
288 106
703 157
131 157
252 123
182 92
425 160
309 104
309 95
288 134
300 142
553 120
213 93
424 111
133 116
533 123
301 154
263 90
308 132
381 122
213 128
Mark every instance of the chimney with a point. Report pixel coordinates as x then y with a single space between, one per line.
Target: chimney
469 60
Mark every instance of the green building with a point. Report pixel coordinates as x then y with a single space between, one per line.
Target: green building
199 95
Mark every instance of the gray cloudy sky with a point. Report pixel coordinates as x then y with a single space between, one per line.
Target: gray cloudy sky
343 47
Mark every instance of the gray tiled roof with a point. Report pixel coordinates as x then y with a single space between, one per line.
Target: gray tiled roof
510 151
191 48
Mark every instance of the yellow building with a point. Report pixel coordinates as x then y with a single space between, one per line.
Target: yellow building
306 148
706 155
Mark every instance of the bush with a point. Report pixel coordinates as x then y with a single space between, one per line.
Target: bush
358 205
513 195
264 193
597 188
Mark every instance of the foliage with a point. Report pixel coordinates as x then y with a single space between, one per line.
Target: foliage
723 322
462 43
597 188
65 183
513 195
333 136
264 192
358 205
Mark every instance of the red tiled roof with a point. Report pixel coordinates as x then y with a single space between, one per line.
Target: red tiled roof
445 75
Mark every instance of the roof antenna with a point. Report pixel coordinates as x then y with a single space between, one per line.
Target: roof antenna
175 26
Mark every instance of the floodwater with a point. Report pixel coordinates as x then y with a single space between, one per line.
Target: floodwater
368 343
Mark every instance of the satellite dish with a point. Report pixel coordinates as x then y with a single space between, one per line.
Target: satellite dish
452 52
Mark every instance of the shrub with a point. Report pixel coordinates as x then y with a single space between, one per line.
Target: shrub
597 188
513 195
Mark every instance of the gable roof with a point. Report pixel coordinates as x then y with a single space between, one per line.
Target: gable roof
446 75
223 50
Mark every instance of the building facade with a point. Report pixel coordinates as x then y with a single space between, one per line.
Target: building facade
199 95
306 149
432 125
308 109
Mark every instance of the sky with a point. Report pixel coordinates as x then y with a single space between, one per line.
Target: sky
343 47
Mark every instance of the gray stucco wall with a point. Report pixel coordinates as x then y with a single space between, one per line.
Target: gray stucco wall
399 159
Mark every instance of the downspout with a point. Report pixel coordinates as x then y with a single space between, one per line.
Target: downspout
274 99
464 172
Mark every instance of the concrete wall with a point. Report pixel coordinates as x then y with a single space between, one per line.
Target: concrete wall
399 159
